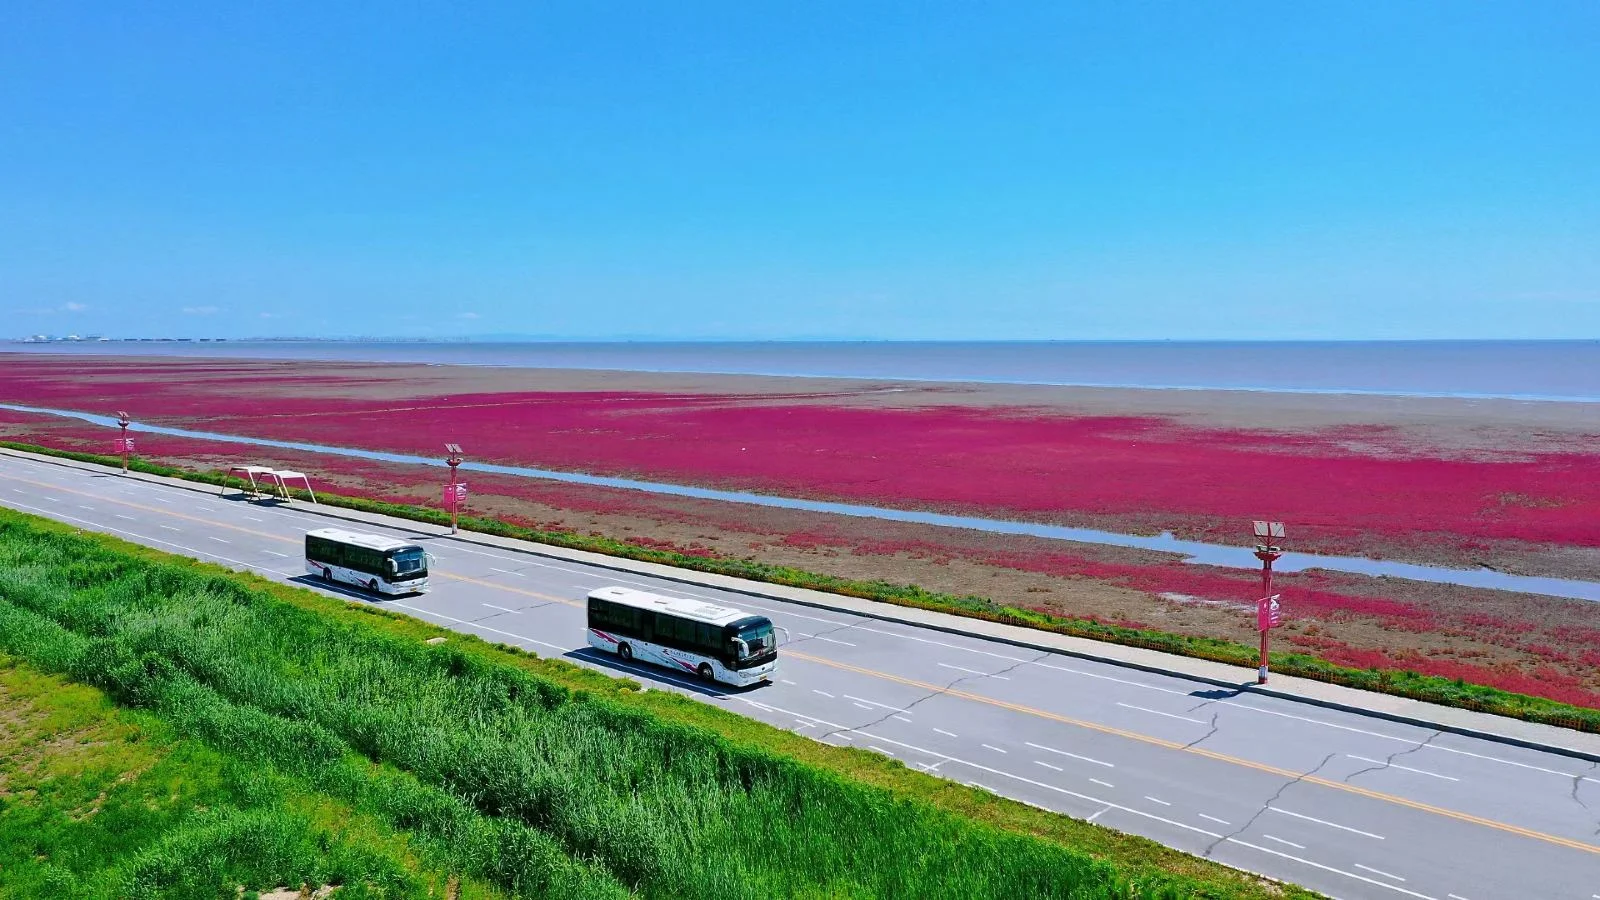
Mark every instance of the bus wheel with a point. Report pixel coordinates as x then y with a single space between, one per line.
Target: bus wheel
372 585
626 652
706 674
327 574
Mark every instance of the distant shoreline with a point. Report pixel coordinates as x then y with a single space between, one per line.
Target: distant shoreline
1561 372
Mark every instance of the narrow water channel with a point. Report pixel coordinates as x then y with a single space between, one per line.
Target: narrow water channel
1192 551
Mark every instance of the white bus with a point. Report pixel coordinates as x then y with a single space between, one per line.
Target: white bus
372 561
714 642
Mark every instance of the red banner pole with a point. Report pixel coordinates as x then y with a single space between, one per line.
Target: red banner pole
1266 624
455 502
122 422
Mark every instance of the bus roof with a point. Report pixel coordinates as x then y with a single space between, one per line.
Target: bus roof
369 541
697 610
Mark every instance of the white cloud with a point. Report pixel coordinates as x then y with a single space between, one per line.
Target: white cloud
74 307
468 315
199 310
270 316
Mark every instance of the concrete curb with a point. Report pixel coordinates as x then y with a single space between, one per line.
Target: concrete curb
1536 736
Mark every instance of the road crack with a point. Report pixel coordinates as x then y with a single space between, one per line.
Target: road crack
811 637
1208 735
1392 757
1577 785
1266 806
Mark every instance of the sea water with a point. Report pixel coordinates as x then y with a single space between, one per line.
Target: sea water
1521 370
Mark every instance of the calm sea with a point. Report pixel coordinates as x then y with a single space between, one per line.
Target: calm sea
1528 370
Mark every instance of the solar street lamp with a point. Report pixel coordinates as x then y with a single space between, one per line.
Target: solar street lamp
123 444
453 494
1269 537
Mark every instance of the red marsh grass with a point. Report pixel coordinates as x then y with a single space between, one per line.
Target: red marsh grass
1131 472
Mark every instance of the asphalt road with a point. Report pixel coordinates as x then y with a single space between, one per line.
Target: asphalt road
1341 803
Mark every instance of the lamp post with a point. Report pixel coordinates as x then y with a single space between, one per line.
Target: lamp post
452 500
1268 550
122 443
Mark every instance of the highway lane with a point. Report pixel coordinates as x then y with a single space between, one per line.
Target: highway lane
1348 805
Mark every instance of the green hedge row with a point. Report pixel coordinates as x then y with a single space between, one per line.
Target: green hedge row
1413 685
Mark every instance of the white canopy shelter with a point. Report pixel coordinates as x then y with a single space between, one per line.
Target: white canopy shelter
284 476
268 481
249 473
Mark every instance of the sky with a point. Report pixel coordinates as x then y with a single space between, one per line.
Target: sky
855 170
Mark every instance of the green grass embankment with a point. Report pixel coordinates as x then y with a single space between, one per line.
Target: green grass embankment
101 802
1429 688
542 778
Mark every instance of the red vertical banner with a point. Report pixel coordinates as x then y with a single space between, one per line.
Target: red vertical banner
124 445
1267 613
455 495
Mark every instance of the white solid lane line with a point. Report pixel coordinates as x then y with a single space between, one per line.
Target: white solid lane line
1287 843
1286 812
947 733
992 747
1165 803
276 553
171 528
1212 818
1505 762
1236 704
873 703
507 572
219 540
128 518
1086 759
429 612
1317 865
154 540
1104 784
1048 766
1389 737
862 705
1379 872
823 693
1390 765
501 608
1157 712
974 671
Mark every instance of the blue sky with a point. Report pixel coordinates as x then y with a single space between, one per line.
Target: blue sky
853 170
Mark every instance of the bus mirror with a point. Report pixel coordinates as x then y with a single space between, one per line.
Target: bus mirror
782 633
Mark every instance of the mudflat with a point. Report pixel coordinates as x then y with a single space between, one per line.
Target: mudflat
1508 484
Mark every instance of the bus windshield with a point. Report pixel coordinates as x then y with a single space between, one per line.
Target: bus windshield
755 639
410 561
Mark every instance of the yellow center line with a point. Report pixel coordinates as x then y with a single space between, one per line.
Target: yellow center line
1220 757
952 692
